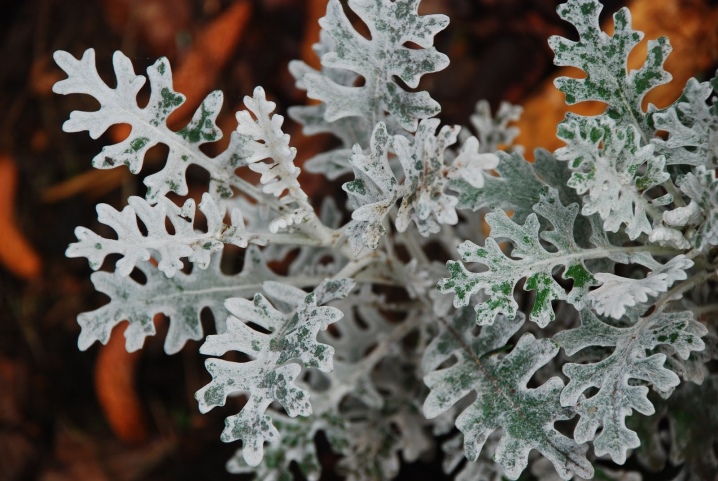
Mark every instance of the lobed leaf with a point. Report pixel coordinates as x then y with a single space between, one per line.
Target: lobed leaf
263 139
503 401
149 124
378 60
297 447
618 395
616 293
701 186
373 193
494 132
692 127
526 180
169 248
182 298
613 170
349 130
424 201
529 259
604 59
277 357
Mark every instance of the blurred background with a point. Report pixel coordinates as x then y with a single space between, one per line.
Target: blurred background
104 414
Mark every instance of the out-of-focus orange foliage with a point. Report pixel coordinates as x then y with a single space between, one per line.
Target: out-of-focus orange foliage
315 11
115 387
93 183
16 253
692 29
42 76
156 23
211 49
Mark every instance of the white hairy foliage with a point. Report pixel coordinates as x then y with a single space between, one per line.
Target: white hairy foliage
424 201
264 139
701 187
606 160
484 468
471 164
391 25
616 397
692 127
278 357
149 127
181 298
349 130
604 59
169 248
503 401
297 447
606 245
495 132
422 191
529 259
373 193
616 293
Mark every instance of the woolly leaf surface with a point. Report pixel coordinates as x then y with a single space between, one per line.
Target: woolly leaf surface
168 247
276 358
181 298
503 401
612 170
618 395
378 60
604 60
528 259
149 124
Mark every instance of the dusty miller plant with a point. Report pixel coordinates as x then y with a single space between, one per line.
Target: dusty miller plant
588 301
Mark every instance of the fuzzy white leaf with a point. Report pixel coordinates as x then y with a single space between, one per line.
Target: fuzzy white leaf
503 401
683 216
701 186
615 293
529 259
297 446
495 132
264 140
276 362
373 193
470 164
692 127
181 298
604 59
391 25
424 200
169 247
349 130
617 397
667 237
606 159
149 127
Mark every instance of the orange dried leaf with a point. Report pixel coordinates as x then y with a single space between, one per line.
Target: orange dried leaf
315 10
116 391
197 72
94 183
16 253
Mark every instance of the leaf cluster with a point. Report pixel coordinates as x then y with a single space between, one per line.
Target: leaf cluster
577 291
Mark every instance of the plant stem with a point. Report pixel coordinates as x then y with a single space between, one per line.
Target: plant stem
677 291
